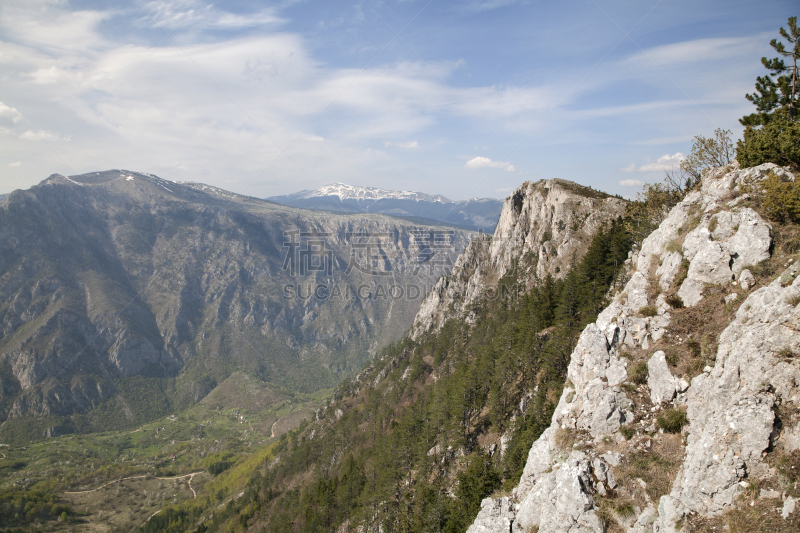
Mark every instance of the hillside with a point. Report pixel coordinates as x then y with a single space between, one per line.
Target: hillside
457 407
681 407
125 297
650 390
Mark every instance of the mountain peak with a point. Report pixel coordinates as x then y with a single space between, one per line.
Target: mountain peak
354 192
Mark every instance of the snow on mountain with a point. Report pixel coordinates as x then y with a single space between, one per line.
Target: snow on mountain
351 192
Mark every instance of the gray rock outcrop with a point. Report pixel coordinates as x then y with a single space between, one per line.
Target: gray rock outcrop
543 227
663 385
712 239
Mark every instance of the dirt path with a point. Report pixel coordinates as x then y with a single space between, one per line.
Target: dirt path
190 476
272 431
194 494
189 483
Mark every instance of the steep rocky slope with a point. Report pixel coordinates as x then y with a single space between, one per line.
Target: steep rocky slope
704 336
543 228
117 274
412 442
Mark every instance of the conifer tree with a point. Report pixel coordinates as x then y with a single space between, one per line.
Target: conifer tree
782 92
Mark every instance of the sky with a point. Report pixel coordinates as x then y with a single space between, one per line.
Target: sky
459 98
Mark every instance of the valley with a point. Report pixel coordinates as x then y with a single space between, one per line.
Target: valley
399 267
557 366
126 297
117 480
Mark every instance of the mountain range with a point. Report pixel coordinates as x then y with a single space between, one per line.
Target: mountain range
122 281
596 365
478 214
653 387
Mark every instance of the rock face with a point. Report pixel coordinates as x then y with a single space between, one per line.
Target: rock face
730 407
543 228
116 274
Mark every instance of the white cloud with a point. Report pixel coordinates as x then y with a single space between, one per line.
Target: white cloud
40 135
631 183
698 50
189 15
15 164
409 144
159 111
477 6
485 162
665 162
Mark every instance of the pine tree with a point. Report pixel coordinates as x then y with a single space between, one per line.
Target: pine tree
782 92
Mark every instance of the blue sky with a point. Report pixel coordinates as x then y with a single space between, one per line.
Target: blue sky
463 99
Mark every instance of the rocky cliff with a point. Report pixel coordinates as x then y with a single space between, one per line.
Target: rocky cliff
116 274
682 405
543 228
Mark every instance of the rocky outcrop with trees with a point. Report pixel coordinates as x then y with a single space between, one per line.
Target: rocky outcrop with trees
684 394
544 228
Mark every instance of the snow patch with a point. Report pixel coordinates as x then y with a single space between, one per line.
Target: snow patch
350 192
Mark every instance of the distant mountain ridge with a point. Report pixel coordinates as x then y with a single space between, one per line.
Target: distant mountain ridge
119 275
474 214
351 192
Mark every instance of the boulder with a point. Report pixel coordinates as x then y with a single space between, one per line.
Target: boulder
561 502
663 385
495 516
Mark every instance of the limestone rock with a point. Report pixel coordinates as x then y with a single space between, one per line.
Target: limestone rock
788 507
730 409
730 406
561 500
644 523
550 222
746 279
663 385
495 516
666 272
769 494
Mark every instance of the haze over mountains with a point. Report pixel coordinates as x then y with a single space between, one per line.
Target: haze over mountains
475 213
115 275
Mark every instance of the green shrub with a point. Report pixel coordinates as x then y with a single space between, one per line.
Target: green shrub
648 310
219 462
638 373
627 432
777 142
781 198
672 358
625 509
672 420
674 301
683 271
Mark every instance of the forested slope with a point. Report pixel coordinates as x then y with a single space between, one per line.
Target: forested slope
435 424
